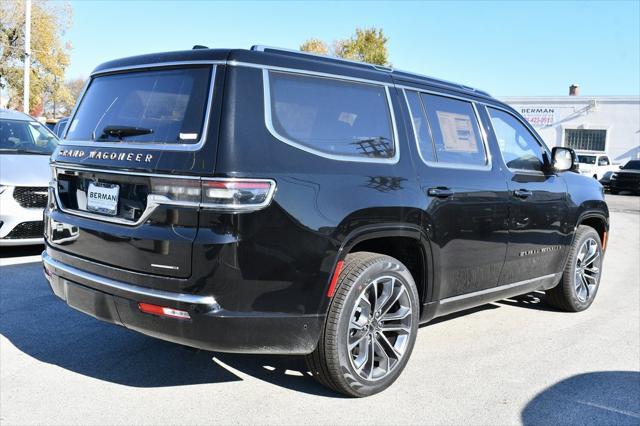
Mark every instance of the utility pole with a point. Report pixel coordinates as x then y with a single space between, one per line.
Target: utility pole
27 55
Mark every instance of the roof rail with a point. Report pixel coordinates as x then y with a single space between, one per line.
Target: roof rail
261 48
433 80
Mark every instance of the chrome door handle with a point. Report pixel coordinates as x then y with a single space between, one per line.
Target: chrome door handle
440 192
522 193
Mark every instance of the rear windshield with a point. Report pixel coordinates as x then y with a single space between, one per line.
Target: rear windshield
587 159
160 106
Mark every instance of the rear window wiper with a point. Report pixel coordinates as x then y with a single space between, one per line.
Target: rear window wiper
123 131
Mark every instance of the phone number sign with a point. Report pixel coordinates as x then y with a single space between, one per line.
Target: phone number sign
539 116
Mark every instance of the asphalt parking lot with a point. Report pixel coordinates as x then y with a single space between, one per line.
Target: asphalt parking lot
511 362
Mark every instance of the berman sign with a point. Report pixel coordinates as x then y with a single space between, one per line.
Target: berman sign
539 116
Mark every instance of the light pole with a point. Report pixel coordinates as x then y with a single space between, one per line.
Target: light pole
27 55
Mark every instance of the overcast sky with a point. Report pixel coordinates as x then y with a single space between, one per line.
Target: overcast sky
507 48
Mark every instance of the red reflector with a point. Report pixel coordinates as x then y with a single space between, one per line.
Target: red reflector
334 279
163 311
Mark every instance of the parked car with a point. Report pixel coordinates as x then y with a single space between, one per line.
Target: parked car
605 180
25 147
60 126
595 165
626 179
269 201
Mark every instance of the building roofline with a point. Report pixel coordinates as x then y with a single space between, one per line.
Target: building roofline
569 99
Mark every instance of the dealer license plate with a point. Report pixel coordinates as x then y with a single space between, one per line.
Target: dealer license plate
103 198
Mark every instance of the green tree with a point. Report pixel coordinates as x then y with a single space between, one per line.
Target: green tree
49 56
366 45
314 45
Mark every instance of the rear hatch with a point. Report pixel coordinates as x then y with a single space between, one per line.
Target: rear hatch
127 176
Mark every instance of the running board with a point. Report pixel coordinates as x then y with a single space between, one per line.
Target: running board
470 300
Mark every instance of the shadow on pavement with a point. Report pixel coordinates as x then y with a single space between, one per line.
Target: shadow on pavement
533 300
603 397
45 328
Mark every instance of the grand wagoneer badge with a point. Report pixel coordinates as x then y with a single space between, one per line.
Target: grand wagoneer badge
107 155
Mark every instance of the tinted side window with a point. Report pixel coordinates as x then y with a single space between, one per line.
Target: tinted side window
332 116
603 161
421 127
520 150
456 134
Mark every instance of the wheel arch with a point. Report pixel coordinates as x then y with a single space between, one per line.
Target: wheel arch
597 221
407 243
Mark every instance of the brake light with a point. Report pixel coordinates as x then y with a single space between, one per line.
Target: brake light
177 190
237 194
163 311
224 194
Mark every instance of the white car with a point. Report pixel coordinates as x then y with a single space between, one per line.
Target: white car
25 148
595 165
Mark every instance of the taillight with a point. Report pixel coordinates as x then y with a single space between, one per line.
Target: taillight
181 191
236 195
230 194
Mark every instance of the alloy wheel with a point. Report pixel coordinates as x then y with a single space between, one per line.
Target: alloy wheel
587 270
379 328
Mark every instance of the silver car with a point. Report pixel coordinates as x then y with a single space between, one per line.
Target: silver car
25 147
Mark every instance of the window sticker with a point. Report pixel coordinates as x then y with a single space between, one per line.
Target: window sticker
347 117
457 132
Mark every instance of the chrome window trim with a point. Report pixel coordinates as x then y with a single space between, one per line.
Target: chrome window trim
380 82
535 137
137 292
154 201
263 48
447 165
151 145
155 65
269 122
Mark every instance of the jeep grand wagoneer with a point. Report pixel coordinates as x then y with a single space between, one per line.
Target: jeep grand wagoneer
269 201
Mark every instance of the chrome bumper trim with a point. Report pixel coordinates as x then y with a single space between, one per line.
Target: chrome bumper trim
117 287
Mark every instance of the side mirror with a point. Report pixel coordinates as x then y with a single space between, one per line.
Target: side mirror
563 159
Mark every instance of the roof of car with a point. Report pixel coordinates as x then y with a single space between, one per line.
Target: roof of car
284 58
9 114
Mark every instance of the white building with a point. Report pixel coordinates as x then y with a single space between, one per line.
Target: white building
608 124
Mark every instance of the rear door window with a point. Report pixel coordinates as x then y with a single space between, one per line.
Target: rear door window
159 106
329 117
454 130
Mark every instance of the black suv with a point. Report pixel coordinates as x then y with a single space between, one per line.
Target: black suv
269 201
626 179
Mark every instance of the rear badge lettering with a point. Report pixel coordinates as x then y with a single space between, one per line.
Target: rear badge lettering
131 157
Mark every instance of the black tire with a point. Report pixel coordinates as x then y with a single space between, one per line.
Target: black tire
614 191
565 295
331 363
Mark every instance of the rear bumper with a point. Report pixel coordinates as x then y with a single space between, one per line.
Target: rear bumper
210 326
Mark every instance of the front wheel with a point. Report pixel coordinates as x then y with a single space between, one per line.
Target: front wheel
370 328
581 278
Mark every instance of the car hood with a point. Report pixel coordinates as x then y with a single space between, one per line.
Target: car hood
24 170
628 172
